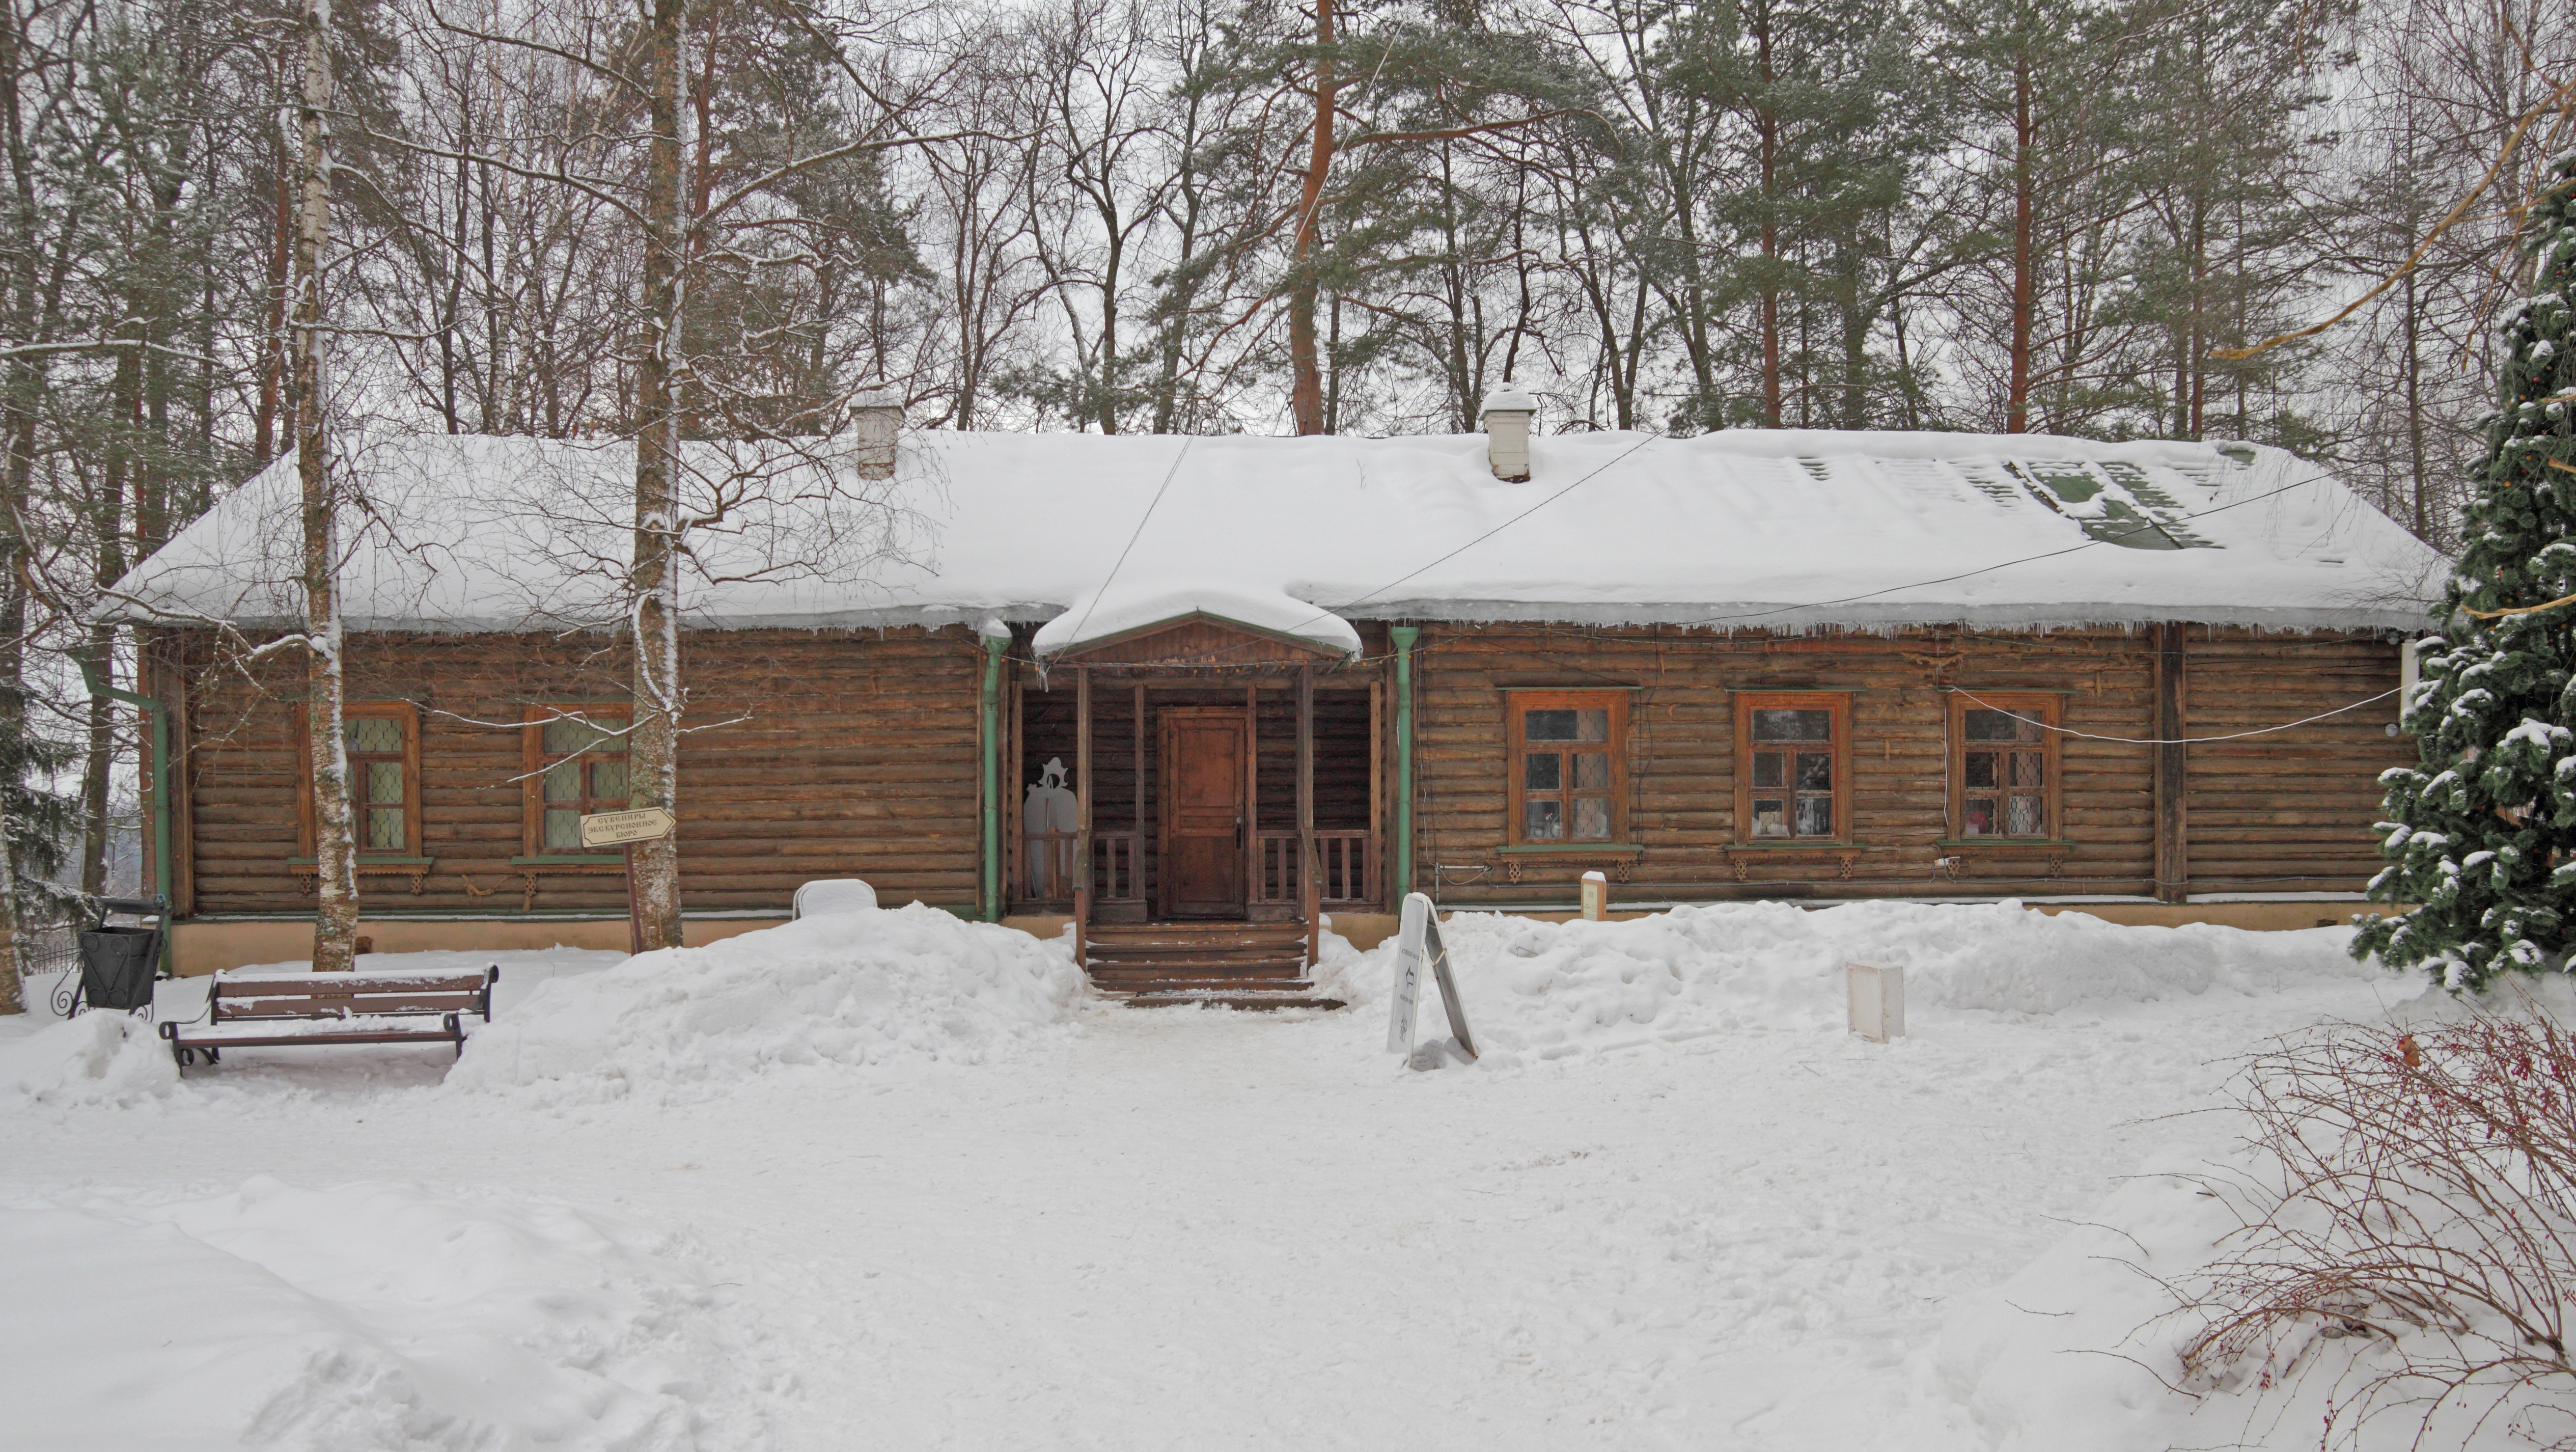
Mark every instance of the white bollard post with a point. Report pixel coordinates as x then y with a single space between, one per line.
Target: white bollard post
1596 897
1877 1002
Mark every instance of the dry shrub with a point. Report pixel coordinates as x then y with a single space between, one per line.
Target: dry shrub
2417 1188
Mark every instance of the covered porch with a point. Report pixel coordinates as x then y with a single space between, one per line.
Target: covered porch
1196 793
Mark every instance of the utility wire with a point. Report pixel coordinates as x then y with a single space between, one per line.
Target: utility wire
1150 506
2175 740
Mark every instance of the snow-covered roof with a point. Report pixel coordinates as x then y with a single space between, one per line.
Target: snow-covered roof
1743 529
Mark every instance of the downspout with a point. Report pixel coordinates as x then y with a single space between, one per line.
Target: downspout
997 639
161 882
1404 637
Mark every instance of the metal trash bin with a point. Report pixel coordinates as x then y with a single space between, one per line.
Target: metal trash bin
118 961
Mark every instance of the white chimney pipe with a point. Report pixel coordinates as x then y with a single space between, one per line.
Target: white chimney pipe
876 418
1507 430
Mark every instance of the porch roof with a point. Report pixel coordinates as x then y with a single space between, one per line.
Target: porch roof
1743 529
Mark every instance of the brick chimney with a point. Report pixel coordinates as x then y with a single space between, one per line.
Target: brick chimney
876 418
1507 430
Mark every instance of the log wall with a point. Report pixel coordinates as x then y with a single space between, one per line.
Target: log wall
823 754
811 754
2285 812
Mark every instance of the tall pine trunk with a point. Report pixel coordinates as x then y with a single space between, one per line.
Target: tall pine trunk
335 916
1306 394
2025 252
653 746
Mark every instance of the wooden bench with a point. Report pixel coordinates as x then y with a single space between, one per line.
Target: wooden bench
264 1010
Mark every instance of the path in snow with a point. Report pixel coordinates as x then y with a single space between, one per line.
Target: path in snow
1186 1230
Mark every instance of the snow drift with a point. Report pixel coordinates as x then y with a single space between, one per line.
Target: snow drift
99 1057
868 988
371 1315
1552 988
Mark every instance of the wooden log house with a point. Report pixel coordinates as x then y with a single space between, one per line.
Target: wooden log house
1196 697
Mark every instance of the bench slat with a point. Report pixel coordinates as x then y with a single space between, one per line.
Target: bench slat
272 1006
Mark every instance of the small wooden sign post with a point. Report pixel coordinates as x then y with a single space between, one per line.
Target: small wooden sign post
623 830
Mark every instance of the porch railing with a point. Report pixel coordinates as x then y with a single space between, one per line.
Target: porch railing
1046 866
1113 867
1341 870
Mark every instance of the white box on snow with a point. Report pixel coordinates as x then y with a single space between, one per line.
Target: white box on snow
1877 1002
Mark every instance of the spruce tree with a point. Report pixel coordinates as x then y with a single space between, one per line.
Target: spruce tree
2482 832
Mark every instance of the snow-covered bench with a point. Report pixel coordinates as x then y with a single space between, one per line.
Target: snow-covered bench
251 1009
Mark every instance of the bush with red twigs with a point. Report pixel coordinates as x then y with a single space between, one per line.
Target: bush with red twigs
2407 1231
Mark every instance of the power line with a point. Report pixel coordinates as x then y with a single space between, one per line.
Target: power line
1150 506
2176 740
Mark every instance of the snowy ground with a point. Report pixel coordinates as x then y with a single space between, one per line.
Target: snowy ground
1676 1207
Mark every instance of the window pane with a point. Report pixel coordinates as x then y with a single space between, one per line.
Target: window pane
1770 817
1592 819
1815 771
1592 771
384 829
2026 818
608 778
563 738
370 734
563 829
1542 771
1770 769
563 781
1981 769
1591 725
1992 726
384 783
1793 725
1548 726
1980 817
1545 821
1815 816
2026 769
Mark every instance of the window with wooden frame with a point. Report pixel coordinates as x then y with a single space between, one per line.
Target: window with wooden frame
1569 767
383 743
575 761
2003 766
1792 767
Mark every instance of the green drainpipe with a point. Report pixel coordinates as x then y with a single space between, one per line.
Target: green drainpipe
1404 637
160 787
994 645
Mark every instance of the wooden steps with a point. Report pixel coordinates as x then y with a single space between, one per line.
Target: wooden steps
1230 965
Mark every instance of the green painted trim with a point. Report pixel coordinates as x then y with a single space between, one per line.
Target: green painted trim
574 859
989 908
1544 848
2004 842
1404 637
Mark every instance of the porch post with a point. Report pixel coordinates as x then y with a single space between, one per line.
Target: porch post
1404 637
1082 833
991 786
1309 891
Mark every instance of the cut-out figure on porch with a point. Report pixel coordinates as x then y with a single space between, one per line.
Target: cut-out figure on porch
1050 809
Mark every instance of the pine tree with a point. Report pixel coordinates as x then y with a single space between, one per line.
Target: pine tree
2482 833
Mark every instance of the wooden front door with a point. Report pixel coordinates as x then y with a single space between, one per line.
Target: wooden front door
1204 812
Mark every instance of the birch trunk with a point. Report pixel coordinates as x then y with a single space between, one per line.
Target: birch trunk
653 747
335 917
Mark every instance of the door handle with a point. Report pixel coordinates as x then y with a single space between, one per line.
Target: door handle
1238 831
